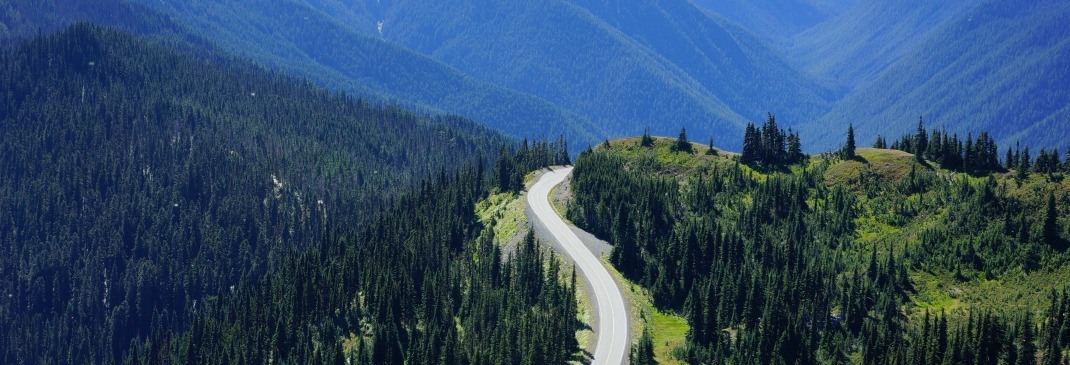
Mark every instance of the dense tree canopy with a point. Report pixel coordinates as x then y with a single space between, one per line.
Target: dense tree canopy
775 268
144 192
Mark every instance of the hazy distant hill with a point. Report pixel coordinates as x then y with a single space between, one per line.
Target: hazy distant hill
298 39
999 67
857 45
777 21
622 65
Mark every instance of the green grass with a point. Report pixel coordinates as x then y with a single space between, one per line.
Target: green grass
661 158
506 210
887 165
669 330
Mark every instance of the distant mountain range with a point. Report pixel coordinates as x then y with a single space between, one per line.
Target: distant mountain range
1000 66
595 69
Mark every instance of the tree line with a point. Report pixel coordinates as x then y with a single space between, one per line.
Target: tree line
978 155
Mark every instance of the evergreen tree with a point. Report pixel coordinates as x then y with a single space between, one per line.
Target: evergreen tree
711 151
751 145
848 152
1024 164
682 144
1051 225
1066 161
646 141
1027 349
921 142
1008 161
795 154
880 143
643 352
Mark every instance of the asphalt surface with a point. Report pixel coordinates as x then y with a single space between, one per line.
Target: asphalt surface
612 330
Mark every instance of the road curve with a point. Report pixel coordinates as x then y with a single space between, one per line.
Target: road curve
612 316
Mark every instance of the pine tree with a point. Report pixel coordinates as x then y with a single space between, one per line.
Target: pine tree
1027 352
1051 224
1008 161
643 352
848 152
682 144
921 141
751 144
646 141
795 154
1024 164
880 143
712 151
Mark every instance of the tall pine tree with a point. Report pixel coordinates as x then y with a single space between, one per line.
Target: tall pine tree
848 152
1051 224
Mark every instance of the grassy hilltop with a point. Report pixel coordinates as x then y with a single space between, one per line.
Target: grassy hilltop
883 245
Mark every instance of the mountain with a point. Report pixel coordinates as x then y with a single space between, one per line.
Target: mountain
294 38
855 46
777 21
998 67
622 65
22 19
138 180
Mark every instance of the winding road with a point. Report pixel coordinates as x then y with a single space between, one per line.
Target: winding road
612 343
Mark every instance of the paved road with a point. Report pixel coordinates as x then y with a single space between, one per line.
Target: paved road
612 317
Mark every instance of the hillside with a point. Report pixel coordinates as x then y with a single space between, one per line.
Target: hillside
306 42
897 261
997 67
658 64
138 180
855 46
778 21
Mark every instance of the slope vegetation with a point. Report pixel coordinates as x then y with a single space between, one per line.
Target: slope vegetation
997 67
297 39
621 65
137 180
879 259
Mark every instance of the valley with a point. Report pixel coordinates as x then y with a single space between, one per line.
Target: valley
486 182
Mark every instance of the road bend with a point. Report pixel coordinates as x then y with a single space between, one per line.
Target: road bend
612 345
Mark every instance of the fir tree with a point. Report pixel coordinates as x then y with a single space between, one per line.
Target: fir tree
1008 161
1027 351
1051 224
646 141
751 144
921 141
795 154
711 151
643 352
1024 164
682 144
848 152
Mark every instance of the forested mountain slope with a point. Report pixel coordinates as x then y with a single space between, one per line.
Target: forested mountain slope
137 180
424 284
875 259
855 46
999 67
622 65
292 37
778 21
